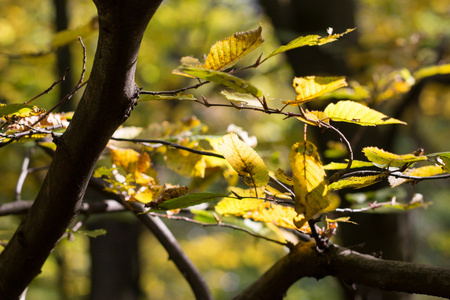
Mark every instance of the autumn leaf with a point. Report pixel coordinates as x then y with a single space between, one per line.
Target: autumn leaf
231 49
311 87
356 113
385 159
356 182
341 166
314 118
244 160
425 171
310 188
19 110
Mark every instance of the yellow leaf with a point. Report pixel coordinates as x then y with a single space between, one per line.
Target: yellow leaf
314 118
282 177
385 159
354 112
185 163
310 187
341 166
237 207
356 182
311 87
231 49
244 160
279 215
420 172
126 158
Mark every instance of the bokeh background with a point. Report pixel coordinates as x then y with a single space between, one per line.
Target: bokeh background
390 36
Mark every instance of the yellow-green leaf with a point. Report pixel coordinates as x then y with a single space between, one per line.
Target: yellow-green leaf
237 207
341 166
442 159
231 49
231 81
310 187
189 200
356 182
424 171
385 159
242 100
354 112
314 118
244 160
311 87
309 40
19 110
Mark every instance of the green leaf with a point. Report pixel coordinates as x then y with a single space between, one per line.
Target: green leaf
310 187
231 81
385 159
231 49
309 40
166 97
356 113
189 200
311 87
431 71
356 182
341 166
244 160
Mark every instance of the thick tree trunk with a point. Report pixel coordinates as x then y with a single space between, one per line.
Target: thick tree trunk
107 102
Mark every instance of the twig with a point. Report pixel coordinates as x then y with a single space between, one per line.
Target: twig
220 224
174 145
174 92
50 88
23 175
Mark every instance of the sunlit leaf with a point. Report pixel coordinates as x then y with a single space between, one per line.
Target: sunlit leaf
309 40
341 166
356 182
384 159
311 87
231 81
237 207
279 215
190 200
431 71
126 158
185 163
19 110
283 178
231 49
180 97
310 187
314 118
356 113
244 160
424 171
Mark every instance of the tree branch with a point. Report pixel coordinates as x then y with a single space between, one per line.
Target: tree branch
350 266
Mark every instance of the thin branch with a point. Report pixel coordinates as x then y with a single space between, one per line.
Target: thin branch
174 92
23 175
221 224
50 88
174 145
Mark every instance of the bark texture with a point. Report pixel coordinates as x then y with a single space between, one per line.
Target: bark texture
351 267
106 103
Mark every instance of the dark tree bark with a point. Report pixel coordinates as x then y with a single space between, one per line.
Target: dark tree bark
352 268
106 103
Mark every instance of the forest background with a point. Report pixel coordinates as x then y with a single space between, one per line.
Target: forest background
390 35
